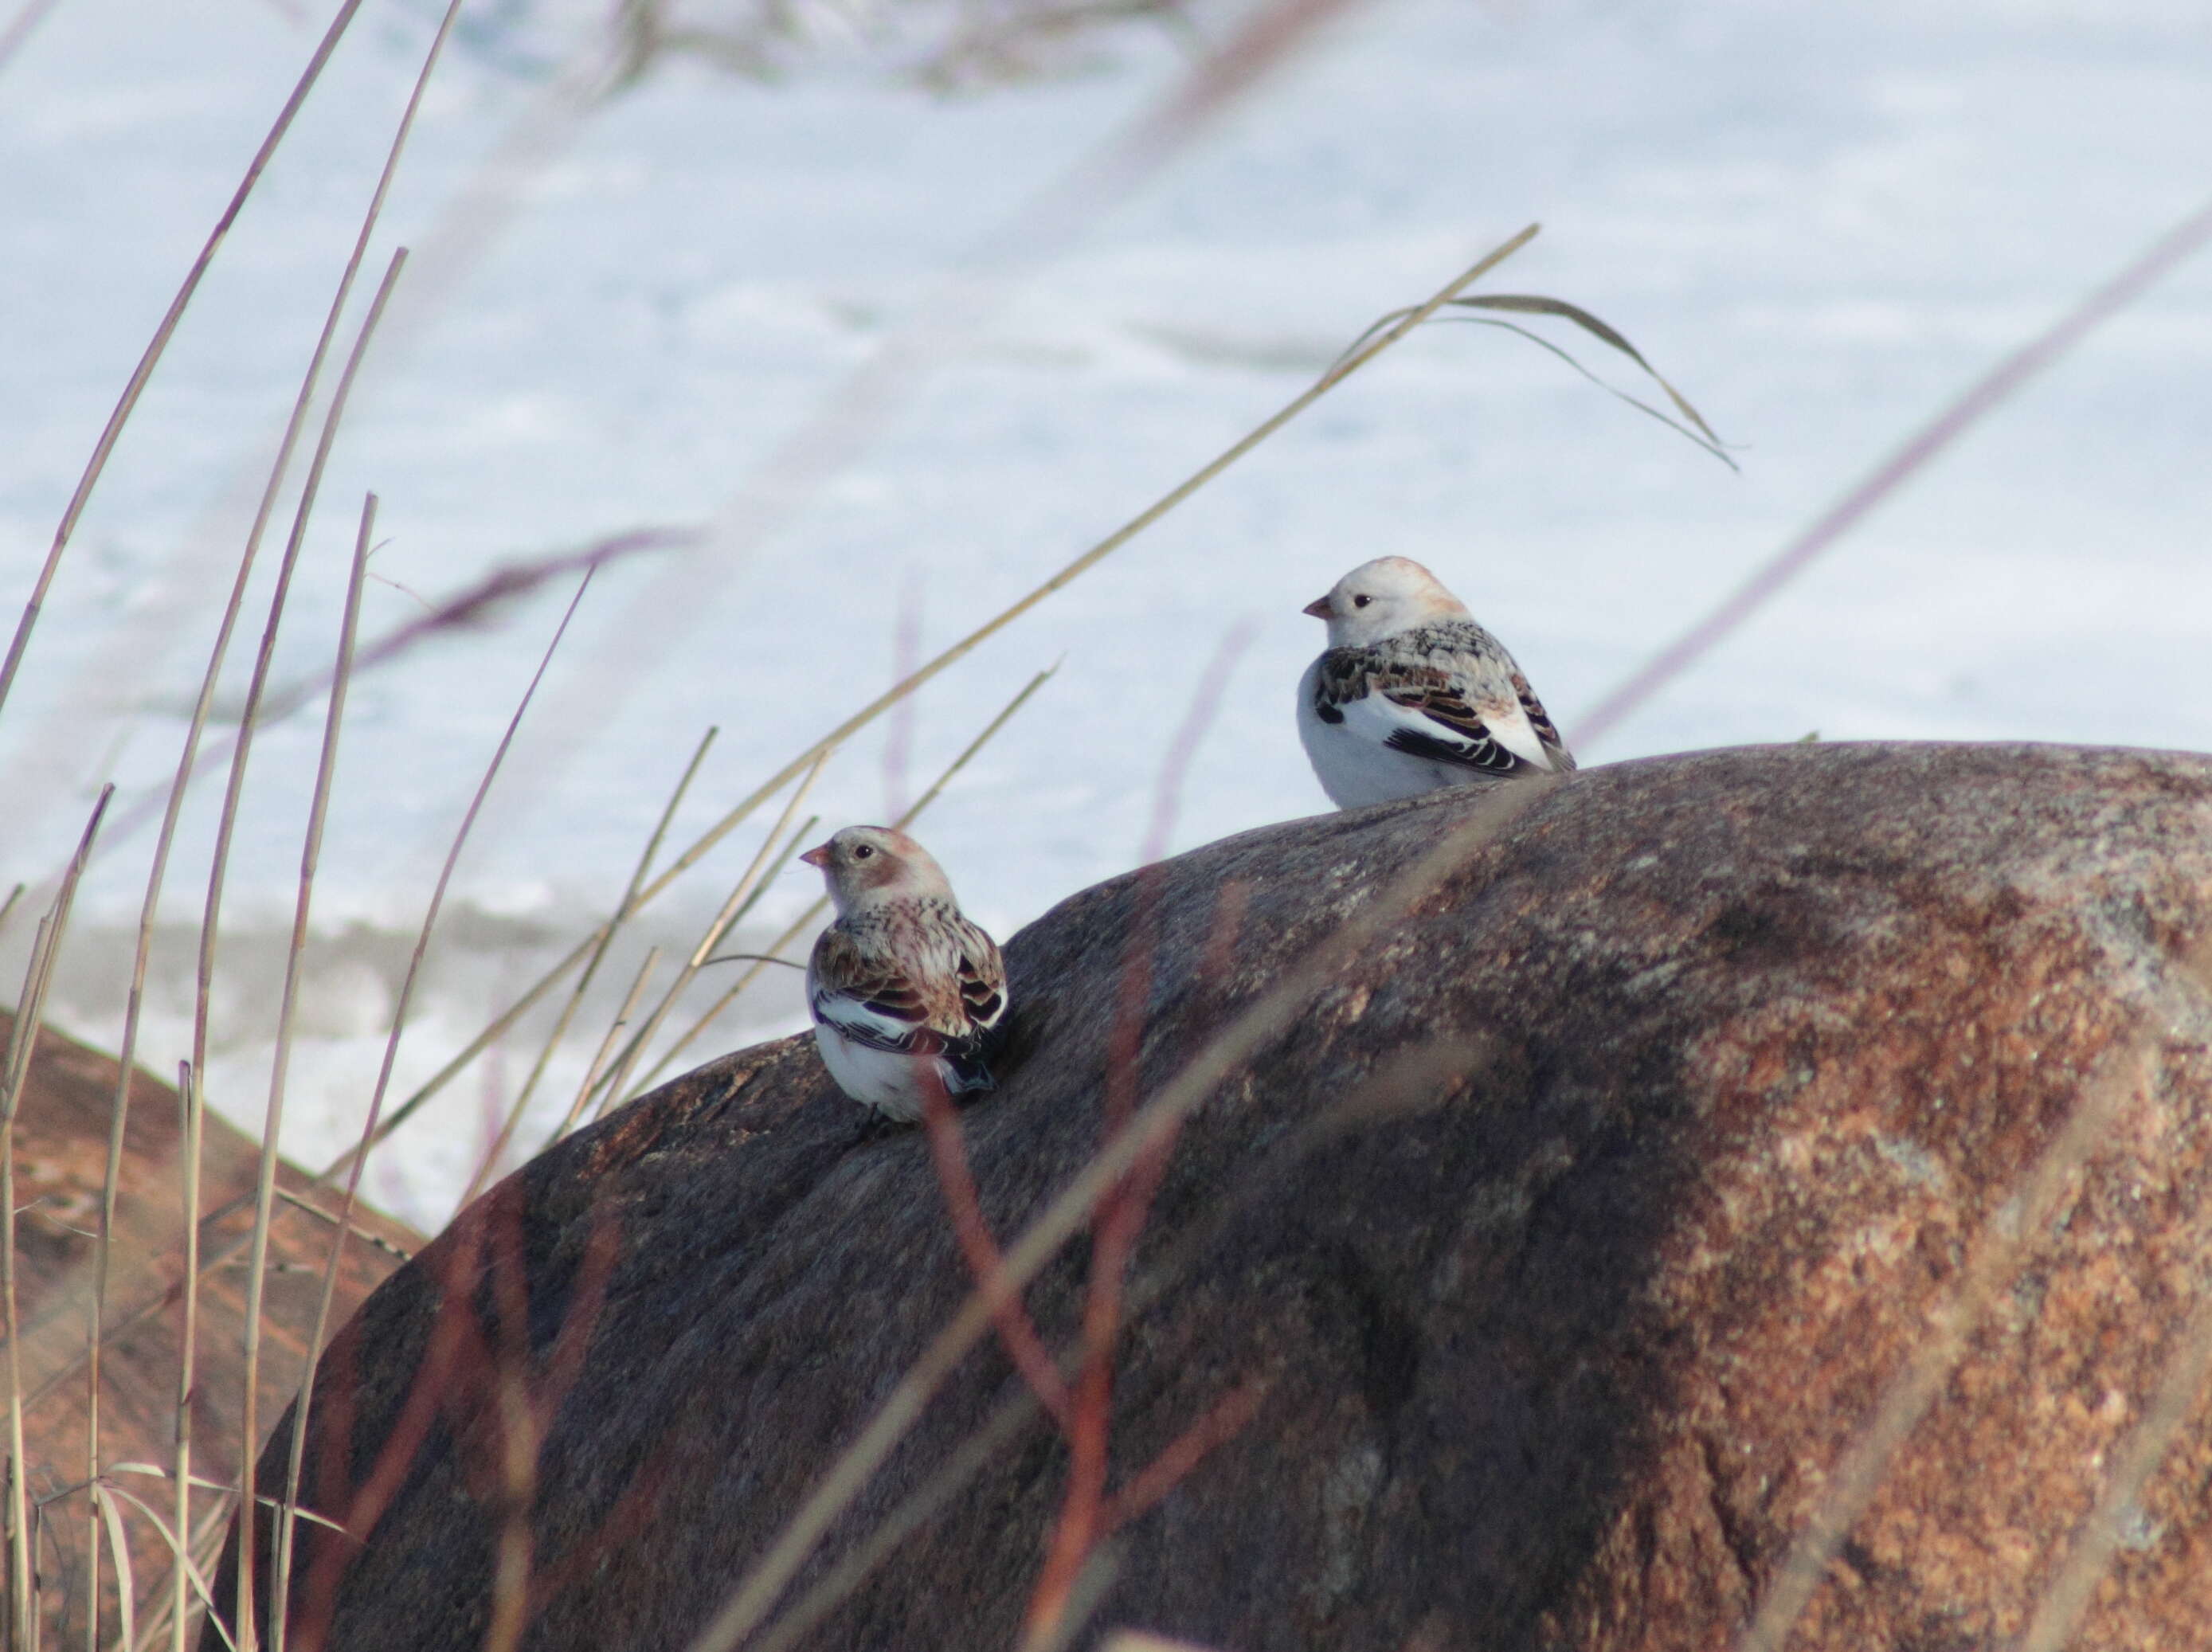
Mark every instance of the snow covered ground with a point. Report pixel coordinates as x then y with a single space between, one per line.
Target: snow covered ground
1821 222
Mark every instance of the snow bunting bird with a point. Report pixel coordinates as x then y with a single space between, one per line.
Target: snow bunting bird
1411 696
906 993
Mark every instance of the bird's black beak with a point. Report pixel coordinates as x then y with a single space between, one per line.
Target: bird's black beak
1318 608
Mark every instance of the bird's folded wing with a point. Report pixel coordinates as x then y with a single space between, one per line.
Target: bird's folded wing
982 975
871 999
1547 732
876 1000
1430 714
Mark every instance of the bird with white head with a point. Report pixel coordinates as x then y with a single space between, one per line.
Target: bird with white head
1411 696
906 993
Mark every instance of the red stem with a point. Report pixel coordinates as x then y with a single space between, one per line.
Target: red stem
1016 1332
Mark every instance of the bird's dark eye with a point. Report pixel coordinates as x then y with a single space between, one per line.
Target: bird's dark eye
1361 601
862 851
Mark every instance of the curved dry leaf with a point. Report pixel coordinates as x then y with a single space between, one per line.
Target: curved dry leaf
126 1582
199 1581
1537 304
1704 440
1533 304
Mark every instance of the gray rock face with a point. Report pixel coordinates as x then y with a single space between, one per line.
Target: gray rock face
1576 1231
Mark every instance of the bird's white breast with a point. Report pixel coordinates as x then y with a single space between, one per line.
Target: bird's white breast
890 1082
1350 760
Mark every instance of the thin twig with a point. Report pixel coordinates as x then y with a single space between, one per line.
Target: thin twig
1230 1416
1206 699
309 1207
1102 1565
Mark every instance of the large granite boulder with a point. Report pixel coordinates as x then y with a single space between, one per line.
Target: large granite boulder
1581 1232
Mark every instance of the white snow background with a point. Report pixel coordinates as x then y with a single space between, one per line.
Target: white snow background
1822 222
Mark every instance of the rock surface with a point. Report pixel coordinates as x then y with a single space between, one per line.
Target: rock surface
1735 1059
61 1163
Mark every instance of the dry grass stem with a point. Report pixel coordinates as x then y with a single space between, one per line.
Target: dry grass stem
190 1108
30 1014
608 1045
195 729
219 865
378 1127
280 1581
623 907
1914 455
144 370
768 859
188 1573
296 422
264 1192
620 1089
242 747
2008 1240
1691 426
1237 1042
23 1598
331 1217
126 1578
